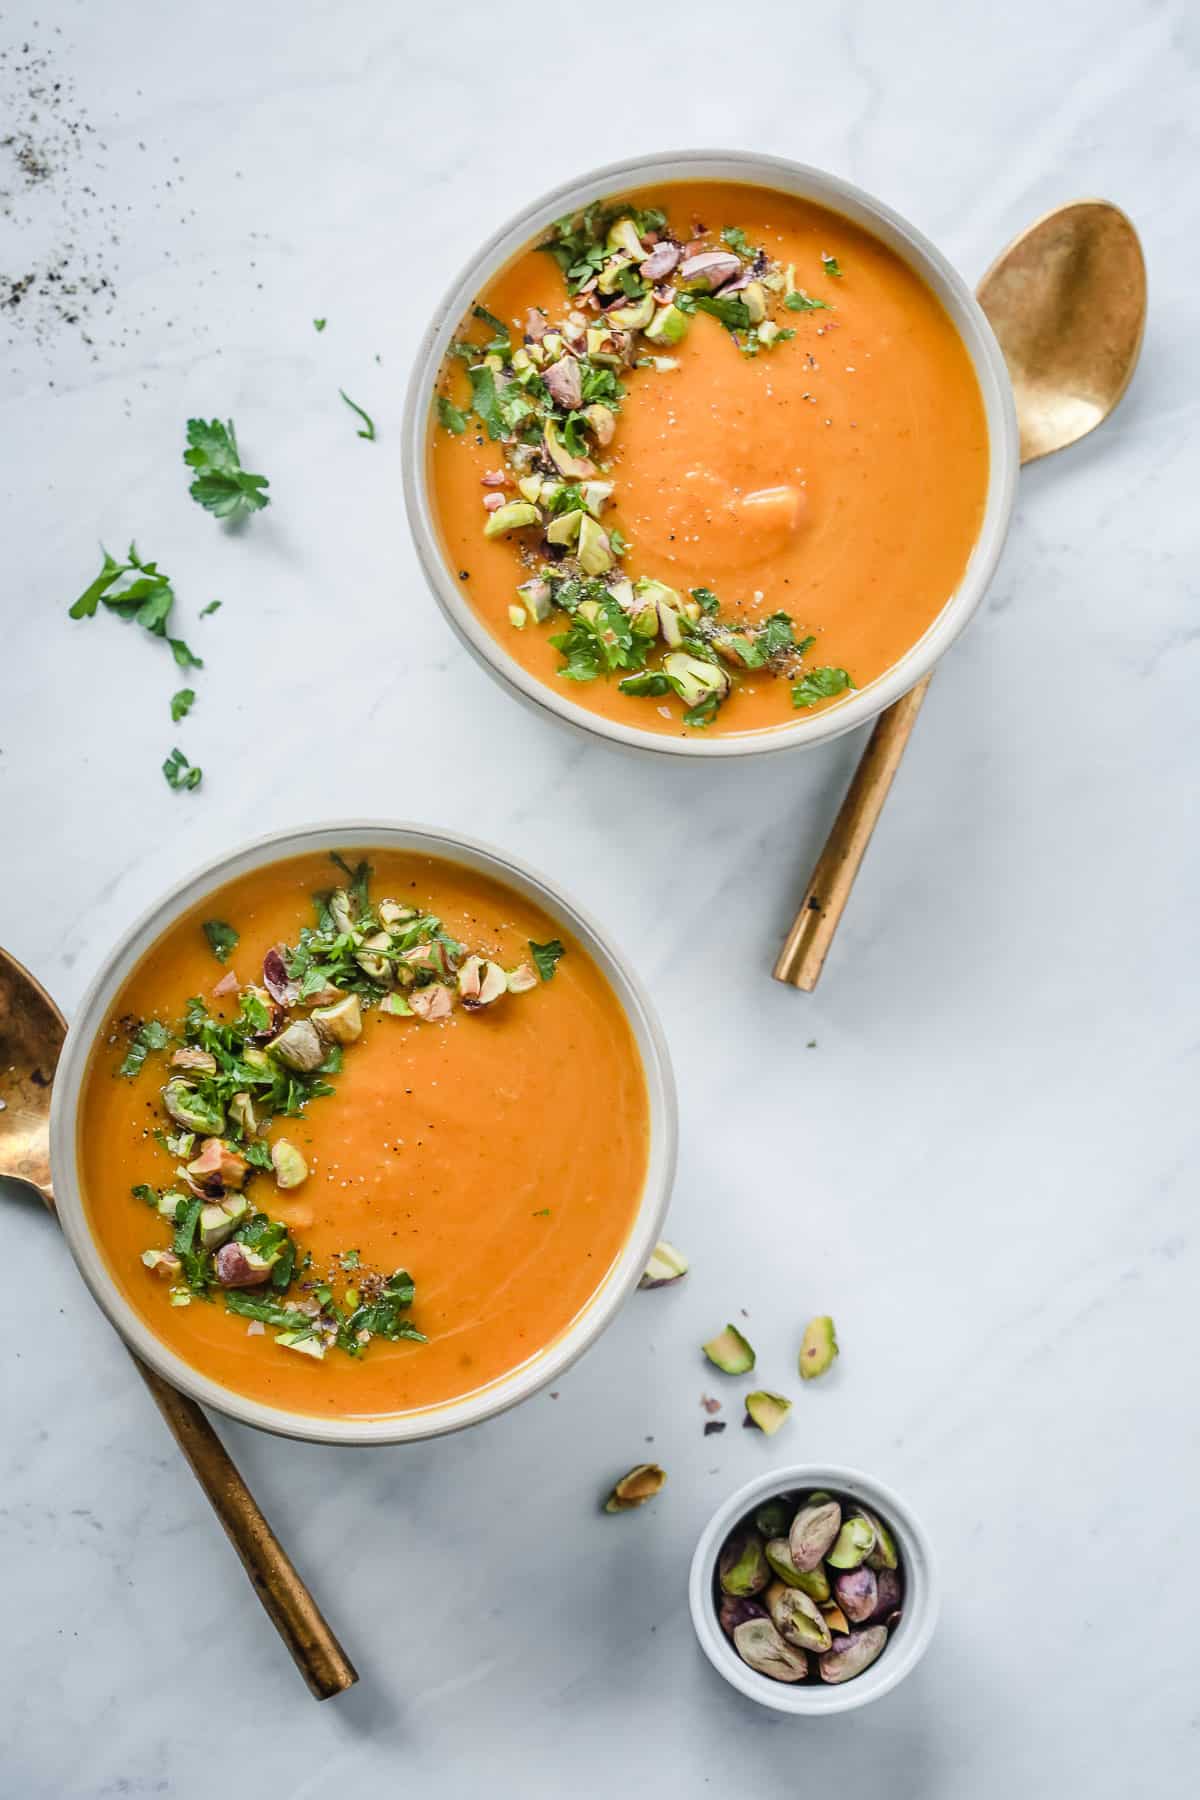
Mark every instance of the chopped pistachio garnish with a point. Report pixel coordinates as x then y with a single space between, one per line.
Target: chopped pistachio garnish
228 1079
551 396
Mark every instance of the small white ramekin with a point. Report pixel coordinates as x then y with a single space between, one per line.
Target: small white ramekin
790 178
905 1647
549 1364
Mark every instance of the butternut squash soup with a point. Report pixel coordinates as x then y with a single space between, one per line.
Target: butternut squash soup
363 1136
708 455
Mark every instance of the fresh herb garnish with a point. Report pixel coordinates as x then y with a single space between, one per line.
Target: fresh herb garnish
212 607
706 600
221 486
735 237
820 684
733 313
182 703
180 773
649 683
368 424
140 594
319 324
151 1034
703 713
222 938
799 301
831 265
450 416
546 956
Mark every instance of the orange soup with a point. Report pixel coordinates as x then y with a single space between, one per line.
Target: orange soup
708 457
363 1140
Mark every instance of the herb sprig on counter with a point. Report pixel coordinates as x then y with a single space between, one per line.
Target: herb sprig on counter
222 487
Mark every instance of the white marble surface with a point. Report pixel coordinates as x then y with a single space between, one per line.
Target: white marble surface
983 1165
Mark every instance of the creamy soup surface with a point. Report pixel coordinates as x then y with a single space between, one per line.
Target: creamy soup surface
837 476
496 1154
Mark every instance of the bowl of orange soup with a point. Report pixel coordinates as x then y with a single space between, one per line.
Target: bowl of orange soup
709 453
363 1134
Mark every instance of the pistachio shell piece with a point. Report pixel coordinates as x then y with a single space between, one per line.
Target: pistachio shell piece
850 1656
766 1410
641 1484
835 1618
818 1347
760 1646
814 1582
857 1593
667 1264
797 1618
730 1352
742 1566
814 1529
855 1541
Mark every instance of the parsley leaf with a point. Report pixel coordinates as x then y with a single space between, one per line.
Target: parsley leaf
222 938
733 313
212 607
319 324
221 486
368 424
186 659
180 773
649 683
706 599
703 713
486 402
450 416
820 684
799 301
140 594
831 265
151 1034
489 318
546 957
181 704
735 237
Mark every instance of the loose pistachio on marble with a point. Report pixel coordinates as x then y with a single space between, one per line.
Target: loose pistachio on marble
641 1484
666 1265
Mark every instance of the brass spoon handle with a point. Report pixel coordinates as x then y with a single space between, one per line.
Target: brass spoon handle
807 943
289 1605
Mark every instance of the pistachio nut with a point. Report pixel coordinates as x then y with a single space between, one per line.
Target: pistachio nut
797 1618
814 1529
760 1646
813 1582
742 1565
856 1592
667 1264
641 1484
849 1656
774 1517
855 1541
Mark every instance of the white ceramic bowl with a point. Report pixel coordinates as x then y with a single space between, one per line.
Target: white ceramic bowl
906 1645
789 178
550 1363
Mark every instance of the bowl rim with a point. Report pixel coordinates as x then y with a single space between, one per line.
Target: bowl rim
839 195
922 1593
527 1378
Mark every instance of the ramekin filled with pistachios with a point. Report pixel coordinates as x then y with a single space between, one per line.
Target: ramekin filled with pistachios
813 1590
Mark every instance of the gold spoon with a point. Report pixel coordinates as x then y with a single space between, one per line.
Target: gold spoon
1067 302
31 1036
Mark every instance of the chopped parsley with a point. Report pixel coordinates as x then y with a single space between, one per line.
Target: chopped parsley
831 265
735 237
450 416
367 429
151 1034
222 487
182 703
820 684
180 773
319 324
212 607
222 938
799 301
140 594
546 957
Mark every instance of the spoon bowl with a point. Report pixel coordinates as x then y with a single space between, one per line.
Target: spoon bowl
1067 302
31 1036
